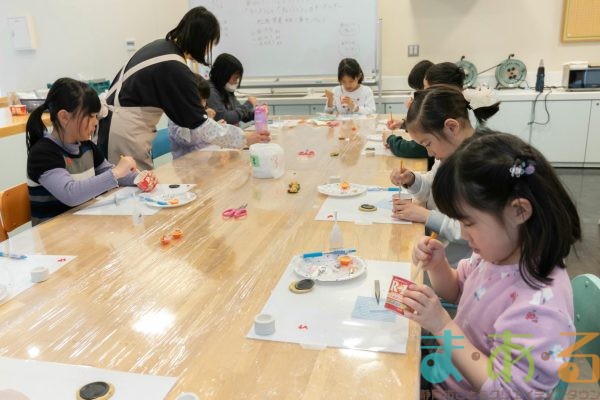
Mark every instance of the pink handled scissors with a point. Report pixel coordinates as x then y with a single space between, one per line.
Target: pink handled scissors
235 213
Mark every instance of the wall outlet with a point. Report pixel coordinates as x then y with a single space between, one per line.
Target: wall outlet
413 50
130 44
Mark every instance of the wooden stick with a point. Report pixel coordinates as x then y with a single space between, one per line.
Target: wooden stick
434 235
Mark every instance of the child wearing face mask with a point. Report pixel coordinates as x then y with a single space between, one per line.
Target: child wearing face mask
350 97
225 77
184 140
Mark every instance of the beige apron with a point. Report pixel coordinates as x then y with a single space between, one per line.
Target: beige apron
132 129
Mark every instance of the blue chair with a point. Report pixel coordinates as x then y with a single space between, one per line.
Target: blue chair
586 297
161 144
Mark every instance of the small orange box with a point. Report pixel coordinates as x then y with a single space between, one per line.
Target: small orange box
18 110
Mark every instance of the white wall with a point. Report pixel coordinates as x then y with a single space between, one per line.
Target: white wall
80 37
485 31
88 37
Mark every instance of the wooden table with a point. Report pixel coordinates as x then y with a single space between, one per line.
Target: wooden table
130 304
12 124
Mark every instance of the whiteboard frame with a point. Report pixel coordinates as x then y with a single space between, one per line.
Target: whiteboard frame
295 81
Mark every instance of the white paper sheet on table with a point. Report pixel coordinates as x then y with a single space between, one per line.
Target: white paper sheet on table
16 274
381 127
54 381
380 149
127 204
323 317
347 209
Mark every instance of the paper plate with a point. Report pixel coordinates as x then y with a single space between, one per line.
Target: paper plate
375 137
334 190
181 198
326 268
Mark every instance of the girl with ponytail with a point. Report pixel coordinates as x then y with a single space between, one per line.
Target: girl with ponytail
64 167
438 119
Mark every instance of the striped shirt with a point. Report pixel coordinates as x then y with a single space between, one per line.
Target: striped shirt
61 176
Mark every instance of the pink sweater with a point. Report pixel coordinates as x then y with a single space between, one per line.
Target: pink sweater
493 299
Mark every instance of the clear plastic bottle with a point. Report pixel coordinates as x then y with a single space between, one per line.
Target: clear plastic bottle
261 118
335 237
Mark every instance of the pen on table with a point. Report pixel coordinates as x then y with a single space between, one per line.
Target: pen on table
13 255
383 189
434 235
322 253
377 295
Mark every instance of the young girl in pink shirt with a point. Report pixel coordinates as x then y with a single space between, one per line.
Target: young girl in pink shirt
514 295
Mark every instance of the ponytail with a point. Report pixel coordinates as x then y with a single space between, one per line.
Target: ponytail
484 113
65 94
433 106
35 127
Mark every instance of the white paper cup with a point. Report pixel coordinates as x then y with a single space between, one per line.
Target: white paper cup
39 274
264 324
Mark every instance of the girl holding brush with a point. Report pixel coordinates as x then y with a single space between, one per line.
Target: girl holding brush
438 119
64 167
514 294
350 97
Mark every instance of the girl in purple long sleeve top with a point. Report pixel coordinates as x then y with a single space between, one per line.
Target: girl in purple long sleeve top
514 295
65 168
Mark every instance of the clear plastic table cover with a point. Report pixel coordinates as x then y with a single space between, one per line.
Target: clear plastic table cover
130 303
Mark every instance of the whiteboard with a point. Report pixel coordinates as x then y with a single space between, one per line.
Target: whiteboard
281 38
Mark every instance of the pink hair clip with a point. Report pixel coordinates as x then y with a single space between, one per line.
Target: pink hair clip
522 167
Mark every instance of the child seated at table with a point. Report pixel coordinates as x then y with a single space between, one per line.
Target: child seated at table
184 140
515 302
64 167
350 96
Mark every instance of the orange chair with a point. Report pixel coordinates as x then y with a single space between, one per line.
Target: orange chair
15 209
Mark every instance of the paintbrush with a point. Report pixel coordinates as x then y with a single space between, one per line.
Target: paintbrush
434 235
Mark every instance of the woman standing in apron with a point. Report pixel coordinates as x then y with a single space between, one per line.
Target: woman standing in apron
156 80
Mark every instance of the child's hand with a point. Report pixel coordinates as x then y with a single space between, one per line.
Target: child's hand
152 181
252 100
409 211
329 95
428 310
394 123
210 112
385 136
257 137
402 177
430 252
347 101
126 165
408 102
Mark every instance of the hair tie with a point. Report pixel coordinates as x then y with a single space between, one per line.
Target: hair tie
522 166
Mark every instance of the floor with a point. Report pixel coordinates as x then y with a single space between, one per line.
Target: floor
584 185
